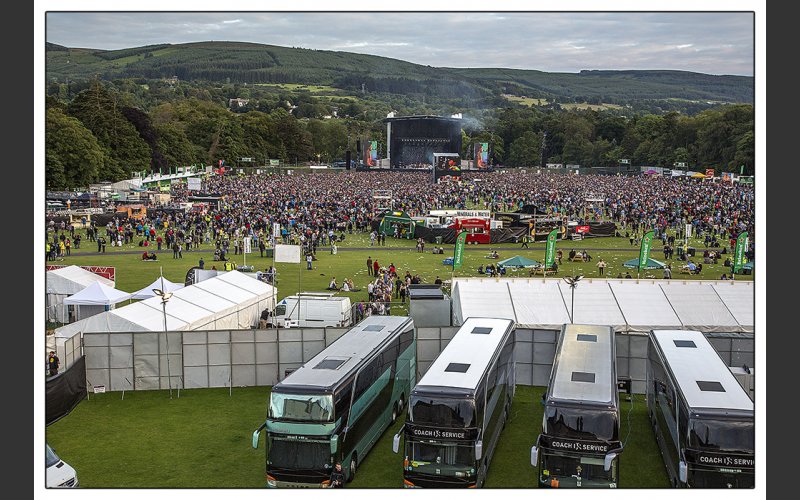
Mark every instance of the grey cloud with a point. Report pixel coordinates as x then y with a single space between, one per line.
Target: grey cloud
715 42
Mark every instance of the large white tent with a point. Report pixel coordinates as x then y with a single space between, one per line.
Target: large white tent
161 284
65 281
230 301
627 305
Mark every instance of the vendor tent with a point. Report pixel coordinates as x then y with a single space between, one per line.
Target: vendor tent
165 285
65 281
651 264
95 298
230 301
518 261
627 305
405 223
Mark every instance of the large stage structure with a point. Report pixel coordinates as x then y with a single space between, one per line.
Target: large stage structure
412 140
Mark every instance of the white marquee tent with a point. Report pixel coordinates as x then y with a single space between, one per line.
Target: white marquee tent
627 305
229 301
63 282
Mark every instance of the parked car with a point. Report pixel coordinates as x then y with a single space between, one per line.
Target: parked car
59 474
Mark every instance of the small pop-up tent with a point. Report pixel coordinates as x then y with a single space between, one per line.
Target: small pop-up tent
518 261
651 264
147 292
95 299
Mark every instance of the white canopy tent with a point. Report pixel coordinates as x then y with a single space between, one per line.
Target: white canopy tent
63 282
627 305
230 301
95 298
165 285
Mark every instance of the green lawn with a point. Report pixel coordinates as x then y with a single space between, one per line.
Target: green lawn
203 440
132 273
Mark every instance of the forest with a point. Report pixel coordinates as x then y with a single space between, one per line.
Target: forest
109 130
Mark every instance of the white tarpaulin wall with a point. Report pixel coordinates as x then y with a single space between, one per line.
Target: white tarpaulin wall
63 282
627 305
229 301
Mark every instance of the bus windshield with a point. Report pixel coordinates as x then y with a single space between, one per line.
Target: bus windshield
298 454
728 435
577 471
301 407
442 412
574 423
431 457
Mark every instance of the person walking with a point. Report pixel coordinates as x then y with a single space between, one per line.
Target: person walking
524 241
369 266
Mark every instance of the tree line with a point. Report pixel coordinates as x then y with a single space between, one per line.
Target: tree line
104 133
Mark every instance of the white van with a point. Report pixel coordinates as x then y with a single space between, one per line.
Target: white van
59 474
312 310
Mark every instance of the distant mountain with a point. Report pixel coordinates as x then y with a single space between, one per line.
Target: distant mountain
238 62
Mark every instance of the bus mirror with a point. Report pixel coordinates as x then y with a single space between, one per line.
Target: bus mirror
607 461
255 438
534 455
478 450
682 471
256 433
334 444
396 442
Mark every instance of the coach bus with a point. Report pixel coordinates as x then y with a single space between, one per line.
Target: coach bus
702 418
336 406
458 408
579 445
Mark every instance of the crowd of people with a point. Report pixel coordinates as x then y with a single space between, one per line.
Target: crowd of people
320 209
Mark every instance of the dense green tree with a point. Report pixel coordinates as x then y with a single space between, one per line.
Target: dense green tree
101 112
73 156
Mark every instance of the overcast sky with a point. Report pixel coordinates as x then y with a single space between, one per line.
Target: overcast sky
713 42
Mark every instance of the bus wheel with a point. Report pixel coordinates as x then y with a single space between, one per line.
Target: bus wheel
394 412
353 466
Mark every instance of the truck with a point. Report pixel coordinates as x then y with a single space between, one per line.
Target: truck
312 310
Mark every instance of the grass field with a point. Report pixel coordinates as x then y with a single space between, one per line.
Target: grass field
203 440
132 273
530 101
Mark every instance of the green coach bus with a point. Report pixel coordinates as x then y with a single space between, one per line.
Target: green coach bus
337 405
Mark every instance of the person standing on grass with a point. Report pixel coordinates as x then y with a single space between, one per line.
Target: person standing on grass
309 260
524 241
369 266
375 267
601 266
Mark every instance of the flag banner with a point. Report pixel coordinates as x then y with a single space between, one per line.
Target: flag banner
644 251
458 258
248 245
550 251
738 253
287 253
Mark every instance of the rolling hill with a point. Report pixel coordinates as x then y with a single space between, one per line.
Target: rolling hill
239 62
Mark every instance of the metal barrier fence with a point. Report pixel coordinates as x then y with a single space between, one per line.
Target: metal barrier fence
242 358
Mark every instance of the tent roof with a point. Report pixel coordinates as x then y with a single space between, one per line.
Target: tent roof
97 294
651 263
147 292
627 305
518 261
72 279
189 307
